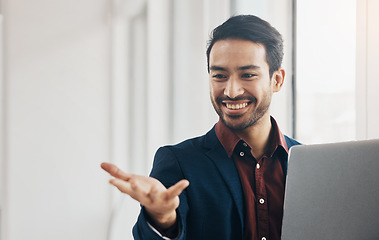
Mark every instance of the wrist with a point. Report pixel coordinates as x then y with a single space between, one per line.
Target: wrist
162 221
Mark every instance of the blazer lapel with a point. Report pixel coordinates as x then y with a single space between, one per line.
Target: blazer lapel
227 170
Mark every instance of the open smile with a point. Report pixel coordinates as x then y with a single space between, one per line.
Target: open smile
236 106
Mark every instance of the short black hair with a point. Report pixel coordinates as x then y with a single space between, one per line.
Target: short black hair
251 28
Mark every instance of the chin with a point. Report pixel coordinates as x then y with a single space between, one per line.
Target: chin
234 124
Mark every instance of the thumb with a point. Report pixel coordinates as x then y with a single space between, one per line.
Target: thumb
177 189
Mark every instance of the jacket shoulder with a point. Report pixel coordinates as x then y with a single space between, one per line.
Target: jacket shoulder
207 140
291 142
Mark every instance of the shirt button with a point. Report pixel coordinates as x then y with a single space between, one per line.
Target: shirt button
263 238
244 144
261 201
258 166
242 154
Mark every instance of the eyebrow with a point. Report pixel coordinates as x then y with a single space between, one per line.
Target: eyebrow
218 68
249 67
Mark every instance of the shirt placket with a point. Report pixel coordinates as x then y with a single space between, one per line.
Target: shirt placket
262 204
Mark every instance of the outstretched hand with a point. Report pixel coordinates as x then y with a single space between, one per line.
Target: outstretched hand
160 203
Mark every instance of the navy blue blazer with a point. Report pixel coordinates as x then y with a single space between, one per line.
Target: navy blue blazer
212 206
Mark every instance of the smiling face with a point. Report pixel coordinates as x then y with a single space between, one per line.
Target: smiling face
240 84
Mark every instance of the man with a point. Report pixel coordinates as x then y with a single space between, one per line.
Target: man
229 183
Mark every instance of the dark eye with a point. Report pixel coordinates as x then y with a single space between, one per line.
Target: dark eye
219 76
248 75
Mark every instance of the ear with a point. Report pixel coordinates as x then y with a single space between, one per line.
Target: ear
278 79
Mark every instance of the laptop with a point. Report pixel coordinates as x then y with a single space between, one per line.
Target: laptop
332 192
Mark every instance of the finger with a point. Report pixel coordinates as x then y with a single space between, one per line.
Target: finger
177 189
136 191
115 171
122 185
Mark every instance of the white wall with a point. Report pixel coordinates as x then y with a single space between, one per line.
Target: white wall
337 55
56 113
2 175
325 56
367 84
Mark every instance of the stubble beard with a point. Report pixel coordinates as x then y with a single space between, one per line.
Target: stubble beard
255 116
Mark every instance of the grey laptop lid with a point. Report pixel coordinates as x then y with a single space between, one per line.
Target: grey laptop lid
332 192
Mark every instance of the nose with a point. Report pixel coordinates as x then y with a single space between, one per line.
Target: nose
233 88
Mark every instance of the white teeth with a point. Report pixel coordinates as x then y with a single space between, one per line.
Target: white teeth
236 106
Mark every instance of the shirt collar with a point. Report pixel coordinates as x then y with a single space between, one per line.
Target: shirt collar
229 139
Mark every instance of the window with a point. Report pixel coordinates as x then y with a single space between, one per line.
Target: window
325 71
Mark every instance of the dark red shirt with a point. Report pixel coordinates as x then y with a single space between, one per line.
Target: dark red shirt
262 180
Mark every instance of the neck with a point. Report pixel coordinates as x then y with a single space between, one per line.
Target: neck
257 136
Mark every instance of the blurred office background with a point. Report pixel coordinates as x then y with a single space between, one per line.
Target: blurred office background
87 81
